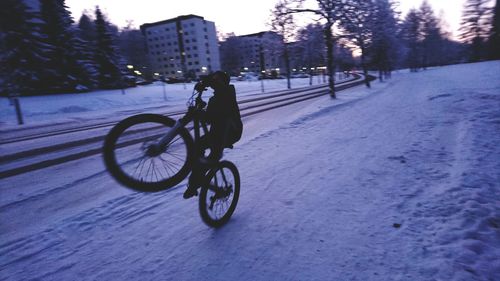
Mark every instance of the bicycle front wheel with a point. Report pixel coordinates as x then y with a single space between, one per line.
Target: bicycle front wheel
133 160
220 194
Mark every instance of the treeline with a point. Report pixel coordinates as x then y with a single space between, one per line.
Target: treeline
43 50
383 39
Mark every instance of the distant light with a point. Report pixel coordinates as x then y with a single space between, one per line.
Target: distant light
245 68
277 69
156 73
129 66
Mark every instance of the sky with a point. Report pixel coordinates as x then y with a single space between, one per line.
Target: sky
230 16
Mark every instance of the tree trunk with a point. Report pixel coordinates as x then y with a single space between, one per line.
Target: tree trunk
330 66
363 65
287 66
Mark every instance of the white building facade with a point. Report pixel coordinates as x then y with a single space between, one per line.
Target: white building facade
182 47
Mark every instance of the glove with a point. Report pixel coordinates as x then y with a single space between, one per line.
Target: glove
199 87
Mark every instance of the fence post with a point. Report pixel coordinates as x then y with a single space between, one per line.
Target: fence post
164 91
18 111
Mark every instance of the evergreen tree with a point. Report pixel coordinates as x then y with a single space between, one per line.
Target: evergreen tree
22 52
65 72
412 36
475 27
106 56
85 47
432 41
494 40
132 47
385 46
86 28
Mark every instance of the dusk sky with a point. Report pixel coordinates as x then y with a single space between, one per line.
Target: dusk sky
238 16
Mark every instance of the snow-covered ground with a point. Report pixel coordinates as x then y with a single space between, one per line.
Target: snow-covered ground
397 182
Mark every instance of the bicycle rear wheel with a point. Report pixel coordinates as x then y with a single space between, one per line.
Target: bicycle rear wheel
220 194
131 158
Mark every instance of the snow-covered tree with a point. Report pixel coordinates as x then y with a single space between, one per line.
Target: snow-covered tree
106 56
23 55
475 27
65 72
86 28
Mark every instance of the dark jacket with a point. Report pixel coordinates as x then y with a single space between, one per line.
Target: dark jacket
224 116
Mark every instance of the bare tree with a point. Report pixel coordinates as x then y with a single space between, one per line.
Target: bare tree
327 10
355 20
283 24
308 52
230 50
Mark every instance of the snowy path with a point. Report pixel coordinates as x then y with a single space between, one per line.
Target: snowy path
400 182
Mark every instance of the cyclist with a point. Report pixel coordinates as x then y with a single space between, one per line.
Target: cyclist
223 115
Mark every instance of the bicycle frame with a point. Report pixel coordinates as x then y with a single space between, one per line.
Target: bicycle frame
194 114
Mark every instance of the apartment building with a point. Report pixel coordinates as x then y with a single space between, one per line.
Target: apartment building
255 52
182 47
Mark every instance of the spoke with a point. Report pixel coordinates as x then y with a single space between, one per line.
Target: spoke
167 164
175 156
139 165
149 169
154 170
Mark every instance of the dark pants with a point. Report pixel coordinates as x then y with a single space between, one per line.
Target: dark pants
214 140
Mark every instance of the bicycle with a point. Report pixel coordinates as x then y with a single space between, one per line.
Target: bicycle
152 152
